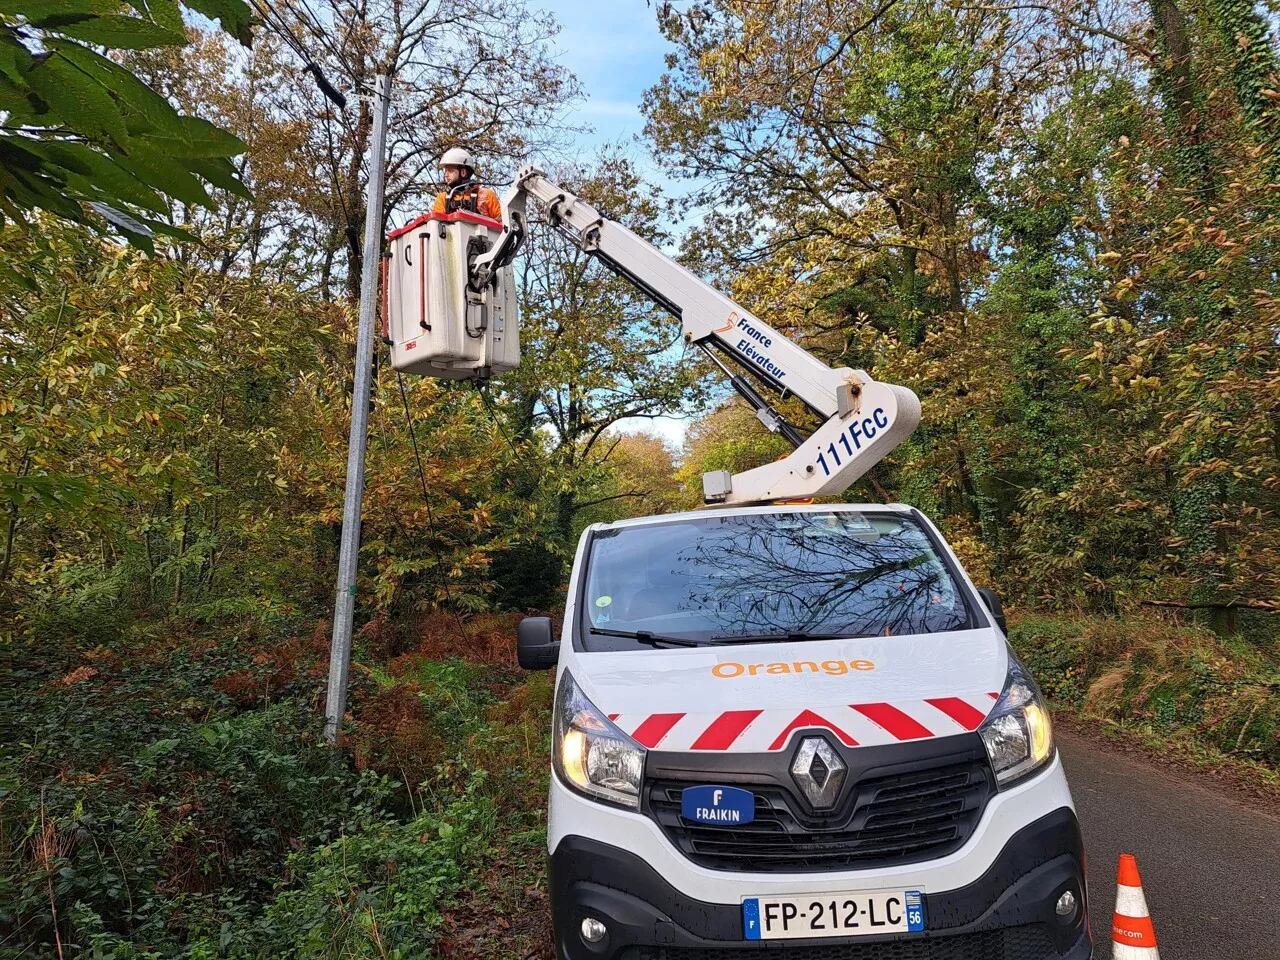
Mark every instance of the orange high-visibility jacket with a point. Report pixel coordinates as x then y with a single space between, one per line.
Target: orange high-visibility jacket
475 199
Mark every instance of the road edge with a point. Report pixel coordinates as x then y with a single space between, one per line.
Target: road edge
1243 781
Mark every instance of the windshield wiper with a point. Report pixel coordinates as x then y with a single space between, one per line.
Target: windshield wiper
649 637
795 635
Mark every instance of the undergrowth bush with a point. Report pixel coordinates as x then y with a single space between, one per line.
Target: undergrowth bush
1176 680
162 796
140 800
380 891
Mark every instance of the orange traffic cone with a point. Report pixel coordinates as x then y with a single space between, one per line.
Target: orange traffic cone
1132 936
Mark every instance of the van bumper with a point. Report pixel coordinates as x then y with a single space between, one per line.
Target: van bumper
1006 914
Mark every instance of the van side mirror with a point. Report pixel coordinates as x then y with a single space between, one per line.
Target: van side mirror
993 607
536 645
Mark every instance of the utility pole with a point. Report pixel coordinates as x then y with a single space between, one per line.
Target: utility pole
344 606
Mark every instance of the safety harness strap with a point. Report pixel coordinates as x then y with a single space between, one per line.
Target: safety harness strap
467 200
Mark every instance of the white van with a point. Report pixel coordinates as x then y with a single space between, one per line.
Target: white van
798 731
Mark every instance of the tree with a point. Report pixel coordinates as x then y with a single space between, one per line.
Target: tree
81 137
596 350
1058 236
729 438
840 143
641 473
146 409
480 73
254 95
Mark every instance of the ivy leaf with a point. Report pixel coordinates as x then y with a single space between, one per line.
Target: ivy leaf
152 752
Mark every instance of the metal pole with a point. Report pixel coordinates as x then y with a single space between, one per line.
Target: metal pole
344 607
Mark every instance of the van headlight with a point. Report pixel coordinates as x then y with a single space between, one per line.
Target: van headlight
592 755
1017 733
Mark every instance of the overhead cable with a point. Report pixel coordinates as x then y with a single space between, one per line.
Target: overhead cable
281 29
316 27
493 415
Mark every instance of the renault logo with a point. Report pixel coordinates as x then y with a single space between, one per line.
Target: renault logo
819 772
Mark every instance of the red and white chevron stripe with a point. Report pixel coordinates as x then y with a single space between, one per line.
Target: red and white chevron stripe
856 725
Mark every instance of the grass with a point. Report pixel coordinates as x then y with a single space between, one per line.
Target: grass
1175 687
470 702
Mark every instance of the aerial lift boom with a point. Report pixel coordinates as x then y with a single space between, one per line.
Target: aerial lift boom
863 419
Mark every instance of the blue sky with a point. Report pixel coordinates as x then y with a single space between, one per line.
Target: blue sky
615 50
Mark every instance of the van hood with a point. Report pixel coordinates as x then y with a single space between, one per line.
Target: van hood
756 697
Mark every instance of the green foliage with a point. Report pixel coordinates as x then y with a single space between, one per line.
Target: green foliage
1062 240
1246 39
454 692
139 803
83 138
147 408
1066 250
163 797
730 438
1175 681
380 892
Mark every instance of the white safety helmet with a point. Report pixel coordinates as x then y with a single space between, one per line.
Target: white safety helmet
457 157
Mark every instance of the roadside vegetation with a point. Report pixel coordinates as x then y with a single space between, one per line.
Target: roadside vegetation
169 794
1176 687
1056 223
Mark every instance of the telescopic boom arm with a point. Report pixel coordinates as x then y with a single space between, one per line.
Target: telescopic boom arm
864 419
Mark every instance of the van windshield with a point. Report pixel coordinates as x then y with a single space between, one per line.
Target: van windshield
769 575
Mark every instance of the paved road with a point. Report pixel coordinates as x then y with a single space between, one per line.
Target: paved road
1210 864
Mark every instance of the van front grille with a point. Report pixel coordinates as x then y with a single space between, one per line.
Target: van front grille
892 819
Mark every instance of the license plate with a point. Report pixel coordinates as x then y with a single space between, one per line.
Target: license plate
833 915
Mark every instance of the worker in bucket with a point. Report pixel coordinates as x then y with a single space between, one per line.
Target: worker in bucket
462 190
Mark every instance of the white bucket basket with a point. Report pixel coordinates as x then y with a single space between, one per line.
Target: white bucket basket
436 325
